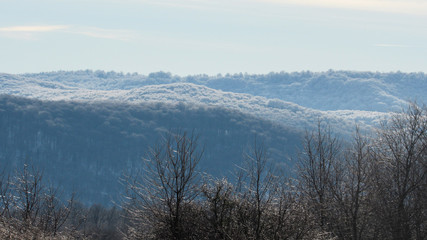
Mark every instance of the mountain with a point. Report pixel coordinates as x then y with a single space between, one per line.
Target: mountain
271 102
86 129
89 146
328 91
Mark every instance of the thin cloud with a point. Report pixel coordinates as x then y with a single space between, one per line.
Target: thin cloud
31 32
115 34
189 4
33 28
413 7
182 4
388 45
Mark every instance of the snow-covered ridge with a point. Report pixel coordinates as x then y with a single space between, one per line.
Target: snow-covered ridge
283 112
331 90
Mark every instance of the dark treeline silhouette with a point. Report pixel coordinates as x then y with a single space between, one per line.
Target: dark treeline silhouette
373 187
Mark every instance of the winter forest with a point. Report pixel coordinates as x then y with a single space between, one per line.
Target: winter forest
213 120
368 188
303 155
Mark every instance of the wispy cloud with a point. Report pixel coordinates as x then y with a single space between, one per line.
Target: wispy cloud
95 32
28 32
414 7
407 7
190 4
33 28
32 32
388 45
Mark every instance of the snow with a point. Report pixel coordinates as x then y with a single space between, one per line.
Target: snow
175 91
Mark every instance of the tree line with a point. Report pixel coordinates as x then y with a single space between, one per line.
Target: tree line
373 187
286 86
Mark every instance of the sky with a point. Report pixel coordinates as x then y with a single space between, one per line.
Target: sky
187 37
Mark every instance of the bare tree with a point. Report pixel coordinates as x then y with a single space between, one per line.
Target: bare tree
162 195
54 213
219 208
6 196
260 187
261 205
33 207
316 172
263 199
28 188
350 188
287 217
400 177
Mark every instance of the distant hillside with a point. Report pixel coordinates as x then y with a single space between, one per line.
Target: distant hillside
331 90
162 87
87 146
85 128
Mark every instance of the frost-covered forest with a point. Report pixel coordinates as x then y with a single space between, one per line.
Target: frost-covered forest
293 99
89 146
304 155
373 187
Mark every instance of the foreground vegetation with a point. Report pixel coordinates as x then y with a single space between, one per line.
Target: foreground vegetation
374 187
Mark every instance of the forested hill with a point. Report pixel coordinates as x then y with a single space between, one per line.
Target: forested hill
331 90
87 146
276 89
86 128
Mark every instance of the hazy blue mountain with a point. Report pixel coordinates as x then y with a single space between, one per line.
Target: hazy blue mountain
331 90
163 87
87 147
85 128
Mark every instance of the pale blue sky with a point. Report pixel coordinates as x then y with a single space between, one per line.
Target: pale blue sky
213 36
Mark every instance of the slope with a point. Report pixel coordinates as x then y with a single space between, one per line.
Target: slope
88 146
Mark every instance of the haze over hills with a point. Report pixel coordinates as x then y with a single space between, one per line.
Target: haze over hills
331 90
91 91
88 146
295 99
91 126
